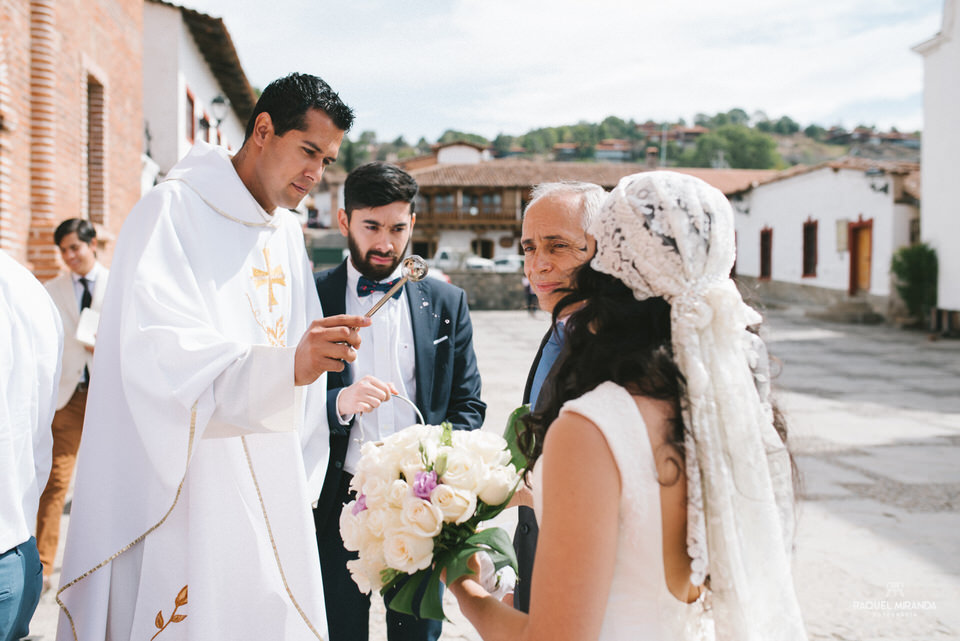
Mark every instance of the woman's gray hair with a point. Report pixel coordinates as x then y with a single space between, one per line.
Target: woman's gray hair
591 196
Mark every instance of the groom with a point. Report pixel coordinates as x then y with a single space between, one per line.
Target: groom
554 245
420 346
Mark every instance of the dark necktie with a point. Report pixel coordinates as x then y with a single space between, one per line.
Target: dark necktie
365 287
85 299
551 350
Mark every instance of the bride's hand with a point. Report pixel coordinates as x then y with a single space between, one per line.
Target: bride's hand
523 496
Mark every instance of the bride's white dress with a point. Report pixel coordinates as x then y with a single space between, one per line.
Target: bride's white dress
640 607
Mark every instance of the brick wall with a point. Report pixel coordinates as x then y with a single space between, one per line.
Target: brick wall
71 70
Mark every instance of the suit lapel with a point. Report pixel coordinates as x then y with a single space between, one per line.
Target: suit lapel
424 323
332 291
533 368
66 298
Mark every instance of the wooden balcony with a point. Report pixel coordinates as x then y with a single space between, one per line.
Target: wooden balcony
463 218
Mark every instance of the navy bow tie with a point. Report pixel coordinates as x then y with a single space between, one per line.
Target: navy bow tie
365 287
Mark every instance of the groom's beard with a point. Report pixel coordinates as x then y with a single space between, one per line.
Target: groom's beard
367 268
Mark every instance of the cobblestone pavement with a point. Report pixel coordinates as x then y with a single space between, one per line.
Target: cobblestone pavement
874 414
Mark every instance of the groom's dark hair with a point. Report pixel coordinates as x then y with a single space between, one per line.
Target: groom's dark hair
376 184
288 99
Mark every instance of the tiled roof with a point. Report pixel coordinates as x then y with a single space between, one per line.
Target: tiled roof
847 162
215 44
513 173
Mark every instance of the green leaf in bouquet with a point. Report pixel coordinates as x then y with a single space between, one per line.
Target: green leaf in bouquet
499 544
402 601
510 436
431 606
457 567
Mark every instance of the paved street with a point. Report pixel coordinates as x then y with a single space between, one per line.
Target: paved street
874 415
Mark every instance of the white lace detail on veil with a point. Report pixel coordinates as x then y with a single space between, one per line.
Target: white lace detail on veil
671 235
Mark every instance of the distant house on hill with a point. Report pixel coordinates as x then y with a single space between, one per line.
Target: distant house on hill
826 233
613 150
940 225
565 151
194 87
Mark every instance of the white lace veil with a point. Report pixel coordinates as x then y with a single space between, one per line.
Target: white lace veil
672 235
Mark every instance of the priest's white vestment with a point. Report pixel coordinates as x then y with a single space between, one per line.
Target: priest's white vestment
191 514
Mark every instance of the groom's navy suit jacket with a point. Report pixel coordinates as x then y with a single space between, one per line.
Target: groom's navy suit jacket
448 381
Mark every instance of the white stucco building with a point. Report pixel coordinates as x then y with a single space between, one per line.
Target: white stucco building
827 233
189 64
940 225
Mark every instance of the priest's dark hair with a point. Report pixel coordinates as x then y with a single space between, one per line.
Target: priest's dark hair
84 229
288 99
376 184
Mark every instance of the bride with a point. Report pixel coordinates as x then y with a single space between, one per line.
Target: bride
661 484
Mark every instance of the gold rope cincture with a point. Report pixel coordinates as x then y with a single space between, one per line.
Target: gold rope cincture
193 425
267 222
273 543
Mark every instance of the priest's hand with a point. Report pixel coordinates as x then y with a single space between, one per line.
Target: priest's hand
327 345
364 395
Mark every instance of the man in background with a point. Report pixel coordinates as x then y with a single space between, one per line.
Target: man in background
420 346
30 342
80 288
554 245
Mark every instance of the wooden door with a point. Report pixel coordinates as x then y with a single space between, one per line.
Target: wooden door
861 255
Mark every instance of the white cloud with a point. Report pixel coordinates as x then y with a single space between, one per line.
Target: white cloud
506 65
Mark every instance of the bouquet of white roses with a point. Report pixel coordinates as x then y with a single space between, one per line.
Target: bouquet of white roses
421 495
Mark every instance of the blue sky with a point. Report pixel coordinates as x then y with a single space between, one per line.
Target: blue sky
489 66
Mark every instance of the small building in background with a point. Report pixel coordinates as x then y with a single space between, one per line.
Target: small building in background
826 234
194 87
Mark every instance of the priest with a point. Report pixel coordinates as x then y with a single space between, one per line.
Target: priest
191 513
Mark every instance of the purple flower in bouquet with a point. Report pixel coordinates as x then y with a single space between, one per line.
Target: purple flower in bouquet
424 484
360 505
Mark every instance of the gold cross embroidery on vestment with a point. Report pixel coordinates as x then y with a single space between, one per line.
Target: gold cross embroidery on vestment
269 277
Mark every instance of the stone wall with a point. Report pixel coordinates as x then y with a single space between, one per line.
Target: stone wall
759 292
491 290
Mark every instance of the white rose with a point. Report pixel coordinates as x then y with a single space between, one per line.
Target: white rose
465 470
412 434
456 505
489 446
350 527
499 483
378 520
421 518
407 552
409 461
366 573
396 492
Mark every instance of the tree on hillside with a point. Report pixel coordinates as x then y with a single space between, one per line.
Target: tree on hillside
452 135
786 126
815 132
738 116
423 147
502 144
741 148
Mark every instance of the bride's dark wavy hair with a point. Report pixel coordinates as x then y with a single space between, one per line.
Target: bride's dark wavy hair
612 336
